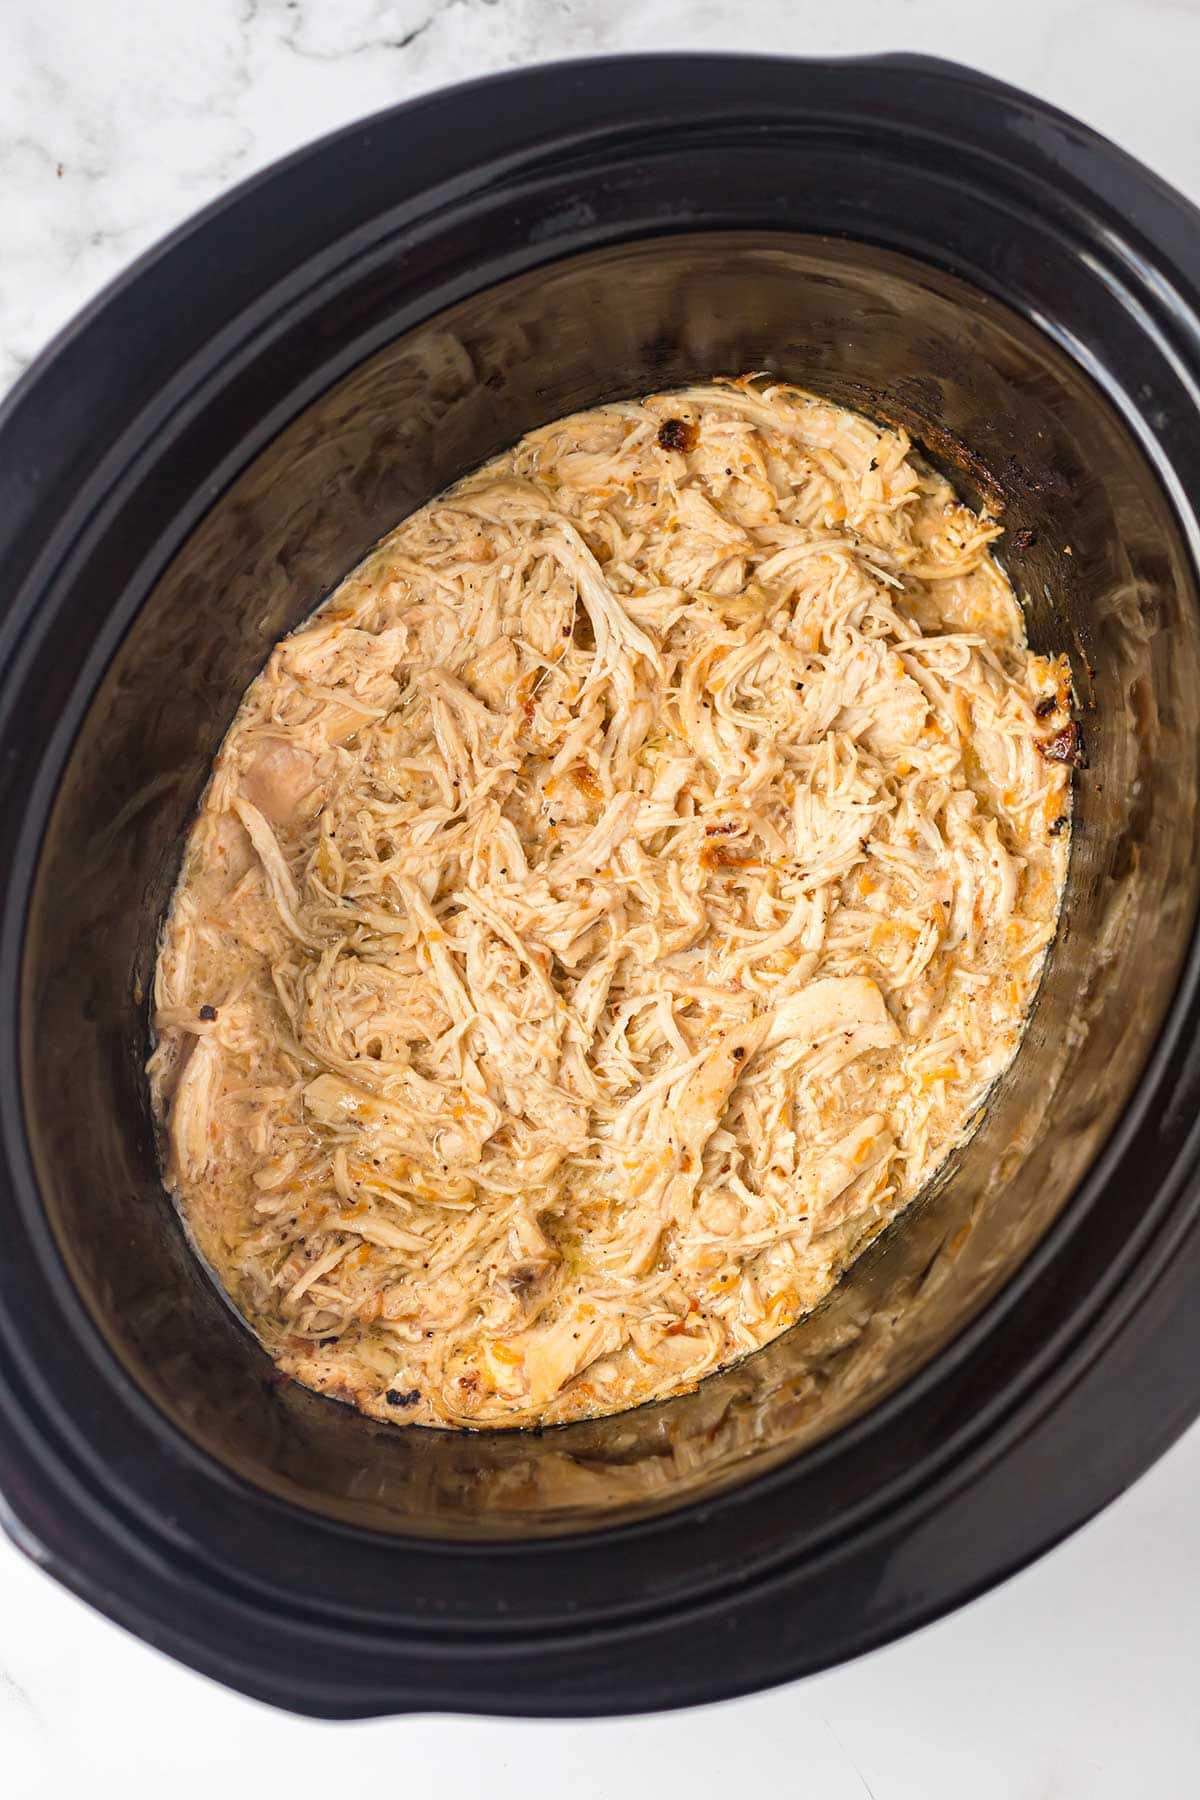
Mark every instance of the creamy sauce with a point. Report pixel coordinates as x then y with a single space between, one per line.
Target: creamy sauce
608 910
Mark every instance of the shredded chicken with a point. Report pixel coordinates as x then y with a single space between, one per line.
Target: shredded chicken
608 910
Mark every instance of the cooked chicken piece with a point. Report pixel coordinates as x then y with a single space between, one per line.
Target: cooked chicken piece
280 780
609 910
191 1136
554 1355
837 1003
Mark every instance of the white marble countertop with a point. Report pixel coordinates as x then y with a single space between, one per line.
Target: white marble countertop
1076 1680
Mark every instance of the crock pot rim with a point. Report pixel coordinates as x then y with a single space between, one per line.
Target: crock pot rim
1185 1002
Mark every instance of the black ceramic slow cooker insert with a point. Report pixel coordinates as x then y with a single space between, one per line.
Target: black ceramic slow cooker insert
197 462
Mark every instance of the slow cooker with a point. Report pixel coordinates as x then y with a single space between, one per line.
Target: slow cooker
194 464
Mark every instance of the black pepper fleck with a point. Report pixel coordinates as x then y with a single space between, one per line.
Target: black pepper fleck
208 1013
1060 825
402 1396
1046 705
